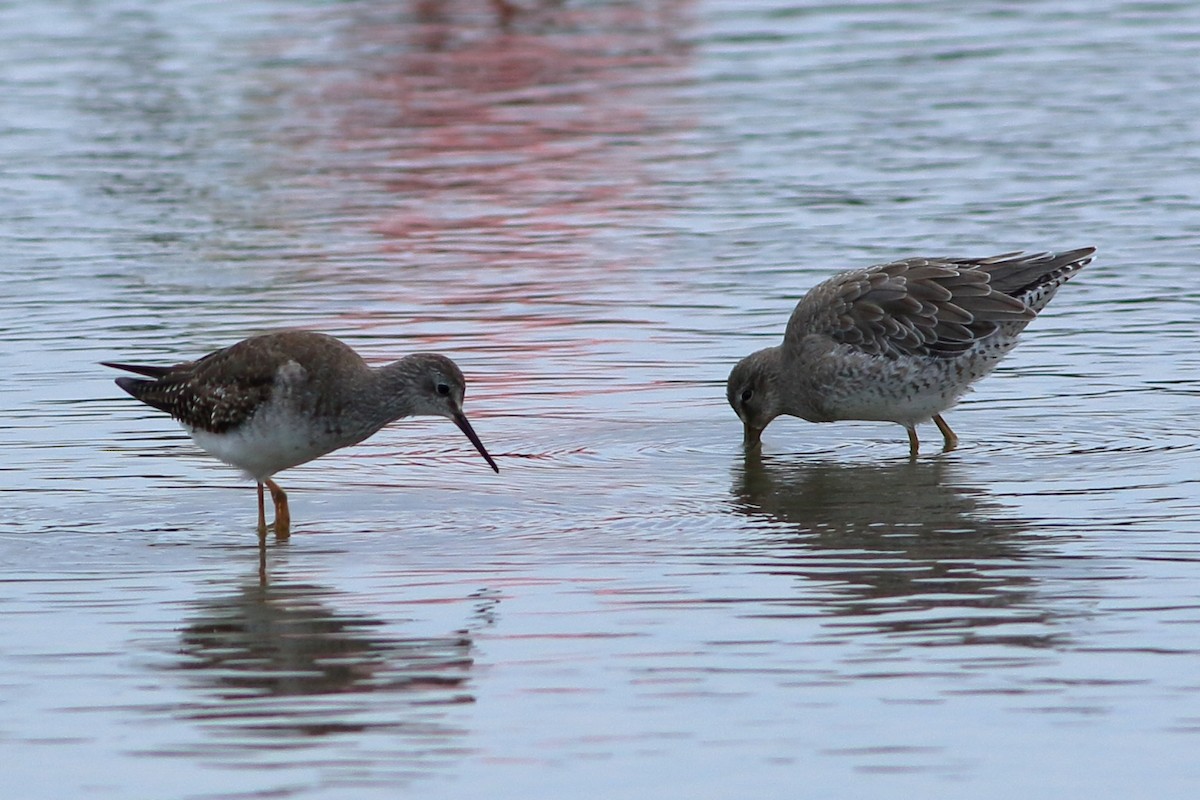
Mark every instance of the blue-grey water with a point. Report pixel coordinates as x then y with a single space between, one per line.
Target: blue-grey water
596 208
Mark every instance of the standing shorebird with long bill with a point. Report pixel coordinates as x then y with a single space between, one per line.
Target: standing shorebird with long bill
278 400
898 342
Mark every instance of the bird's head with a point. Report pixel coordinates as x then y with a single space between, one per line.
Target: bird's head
439 390
752 391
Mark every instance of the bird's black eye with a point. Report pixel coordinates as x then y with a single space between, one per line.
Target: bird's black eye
443 389
747 394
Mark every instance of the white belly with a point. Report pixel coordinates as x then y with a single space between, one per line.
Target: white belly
904 390
269 443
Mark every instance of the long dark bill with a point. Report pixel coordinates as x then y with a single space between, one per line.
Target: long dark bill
751 436
460 419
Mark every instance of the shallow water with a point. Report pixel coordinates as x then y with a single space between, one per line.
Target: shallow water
596 208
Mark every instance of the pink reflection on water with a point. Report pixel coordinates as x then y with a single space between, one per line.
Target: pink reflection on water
504 160
511 131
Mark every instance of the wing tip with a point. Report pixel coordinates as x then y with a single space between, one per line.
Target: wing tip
138 369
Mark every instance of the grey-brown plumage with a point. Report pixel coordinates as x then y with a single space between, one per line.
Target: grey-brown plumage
899 342
274 401
222 390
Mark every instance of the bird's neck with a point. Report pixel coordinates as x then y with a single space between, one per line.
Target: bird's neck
790 381
395 386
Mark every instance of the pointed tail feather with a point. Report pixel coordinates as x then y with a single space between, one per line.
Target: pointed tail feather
1060 268
133 386
1017 274
140 369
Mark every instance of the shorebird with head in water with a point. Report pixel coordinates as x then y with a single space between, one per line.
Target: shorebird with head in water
898 342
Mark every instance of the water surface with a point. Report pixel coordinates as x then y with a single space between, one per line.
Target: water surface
596 208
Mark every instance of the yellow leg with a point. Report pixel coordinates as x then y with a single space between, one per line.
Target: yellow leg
262 514
283 517
913 445
947 434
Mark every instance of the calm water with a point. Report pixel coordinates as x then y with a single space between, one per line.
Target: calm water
596 208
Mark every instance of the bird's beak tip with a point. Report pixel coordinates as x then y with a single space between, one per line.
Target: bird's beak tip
752 437
460 419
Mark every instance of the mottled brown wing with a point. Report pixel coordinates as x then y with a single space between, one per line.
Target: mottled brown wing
919 306
217 393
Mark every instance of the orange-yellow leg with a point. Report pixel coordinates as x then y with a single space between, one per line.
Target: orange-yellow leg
283 517
947 434
913 444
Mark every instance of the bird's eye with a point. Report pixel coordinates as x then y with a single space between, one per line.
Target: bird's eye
747 394
443 389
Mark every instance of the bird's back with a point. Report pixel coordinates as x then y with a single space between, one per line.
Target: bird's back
931 307
222 390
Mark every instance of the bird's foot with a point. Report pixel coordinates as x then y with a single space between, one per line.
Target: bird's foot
949 438
283 517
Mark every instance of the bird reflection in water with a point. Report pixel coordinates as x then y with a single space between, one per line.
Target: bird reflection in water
258 657
901 547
